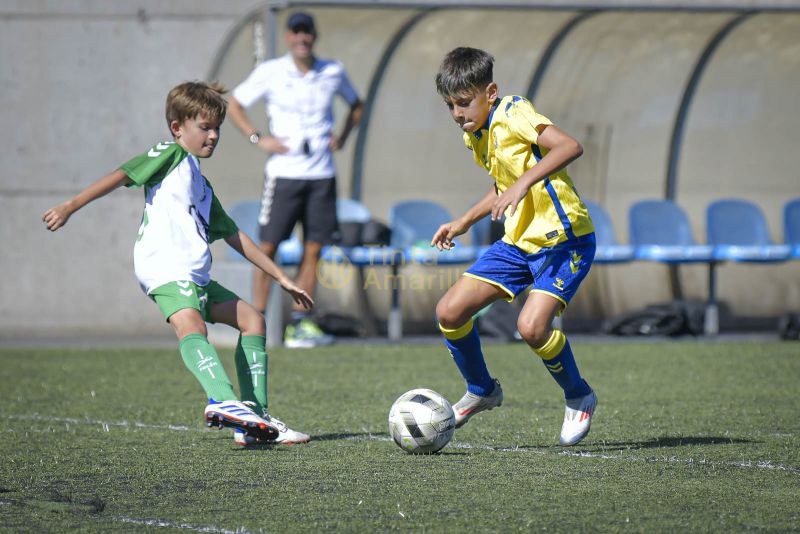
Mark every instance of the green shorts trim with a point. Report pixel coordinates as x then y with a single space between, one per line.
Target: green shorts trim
176 296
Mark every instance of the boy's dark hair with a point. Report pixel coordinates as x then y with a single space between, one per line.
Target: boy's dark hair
464 70
192 99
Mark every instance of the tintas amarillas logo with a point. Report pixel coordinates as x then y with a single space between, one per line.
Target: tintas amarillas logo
336 271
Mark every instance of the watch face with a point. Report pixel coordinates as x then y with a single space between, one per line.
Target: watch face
255 137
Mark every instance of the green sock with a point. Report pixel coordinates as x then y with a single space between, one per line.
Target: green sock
202 360
251 369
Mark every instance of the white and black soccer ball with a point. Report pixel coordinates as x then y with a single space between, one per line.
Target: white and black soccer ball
421 421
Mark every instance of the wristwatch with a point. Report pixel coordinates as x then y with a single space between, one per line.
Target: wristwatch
255 137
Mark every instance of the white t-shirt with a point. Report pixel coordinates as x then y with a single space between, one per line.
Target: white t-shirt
181 217
300 109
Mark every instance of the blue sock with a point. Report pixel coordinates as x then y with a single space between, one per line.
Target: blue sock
464 345
557 356
297 316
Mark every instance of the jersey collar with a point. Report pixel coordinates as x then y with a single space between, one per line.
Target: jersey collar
479 133
295 71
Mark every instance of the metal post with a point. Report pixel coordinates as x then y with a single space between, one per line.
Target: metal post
395 319
271 38
711 318
274 317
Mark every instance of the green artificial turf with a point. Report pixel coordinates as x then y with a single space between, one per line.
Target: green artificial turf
688 436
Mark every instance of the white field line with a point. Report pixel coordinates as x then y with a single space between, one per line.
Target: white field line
750 464
105 424
160 523
758 464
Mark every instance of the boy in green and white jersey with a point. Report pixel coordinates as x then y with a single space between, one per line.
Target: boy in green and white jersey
172 260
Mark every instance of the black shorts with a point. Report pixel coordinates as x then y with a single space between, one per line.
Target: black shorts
287 201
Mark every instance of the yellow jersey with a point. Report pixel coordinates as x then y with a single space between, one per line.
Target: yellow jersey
552 211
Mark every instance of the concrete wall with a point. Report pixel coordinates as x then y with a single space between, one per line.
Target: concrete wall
84 84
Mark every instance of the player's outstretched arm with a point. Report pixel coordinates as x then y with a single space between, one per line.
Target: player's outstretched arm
57 216
242 244
562 150
443 238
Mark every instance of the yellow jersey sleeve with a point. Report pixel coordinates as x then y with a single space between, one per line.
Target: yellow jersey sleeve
523 120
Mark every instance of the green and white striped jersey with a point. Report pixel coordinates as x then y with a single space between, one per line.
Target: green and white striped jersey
181 217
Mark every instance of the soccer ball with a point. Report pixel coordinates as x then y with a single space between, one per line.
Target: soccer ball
421 421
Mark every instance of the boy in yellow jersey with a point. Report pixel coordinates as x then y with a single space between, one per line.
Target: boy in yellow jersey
548 244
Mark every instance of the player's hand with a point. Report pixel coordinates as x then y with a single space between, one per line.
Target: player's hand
57 216
298 295
273 144
511 197
335 143
443 238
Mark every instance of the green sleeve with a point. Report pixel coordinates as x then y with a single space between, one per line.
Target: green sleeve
153 165
221 225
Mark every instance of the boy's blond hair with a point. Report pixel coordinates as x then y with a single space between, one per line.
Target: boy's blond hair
193 99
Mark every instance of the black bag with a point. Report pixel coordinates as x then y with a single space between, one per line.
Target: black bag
349 234
375 233
674 319
339 325
789 327
355 234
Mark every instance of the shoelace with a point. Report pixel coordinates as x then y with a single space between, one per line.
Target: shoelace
268 418
277 422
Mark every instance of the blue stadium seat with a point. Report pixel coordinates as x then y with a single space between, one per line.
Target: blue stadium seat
608 250
791 226
660 231
245 215
413 223
290 252
351 210
481 235
738 231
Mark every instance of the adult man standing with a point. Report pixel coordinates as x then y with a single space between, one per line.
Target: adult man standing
300 177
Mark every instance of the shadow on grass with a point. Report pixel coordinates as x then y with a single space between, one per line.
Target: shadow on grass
668 442
57 502
352 436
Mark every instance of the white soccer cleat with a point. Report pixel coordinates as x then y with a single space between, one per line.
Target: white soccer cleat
238 415
285 435
471 404
577 419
